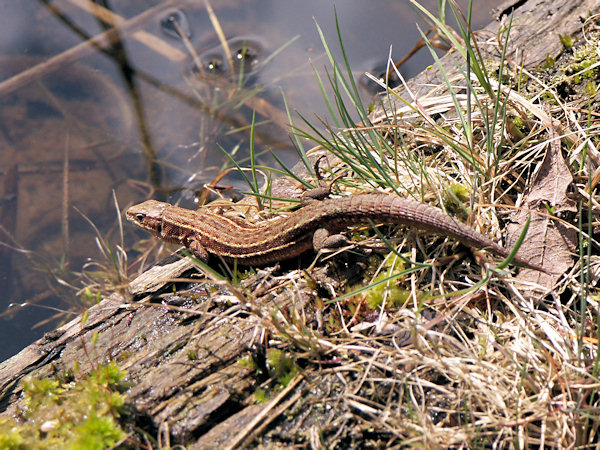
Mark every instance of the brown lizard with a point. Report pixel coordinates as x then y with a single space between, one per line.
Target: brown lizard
311 227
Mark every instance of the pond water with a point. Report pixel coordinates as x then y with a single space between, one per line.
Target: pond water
142 113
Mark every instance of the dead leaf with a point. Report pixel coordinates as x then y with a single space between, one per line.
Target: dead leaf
549 242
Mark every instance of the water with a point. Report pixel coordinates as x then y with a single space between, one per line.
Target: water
142 118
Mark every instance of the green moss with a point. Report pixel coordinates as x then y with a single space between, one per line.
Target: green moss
550 61
261 396
41 391
548 97
281 366
591 88
11 435
96 432
248 362
455 197
460 191
517 121
566 40
64 414
394 294
516 127
583 58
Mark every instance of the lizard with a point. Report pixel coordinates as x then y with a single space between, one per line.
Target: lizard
312 227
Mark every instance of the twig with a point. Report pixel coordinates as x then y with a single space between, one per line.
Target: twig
266 416
86 48
114 20
65 202
217 26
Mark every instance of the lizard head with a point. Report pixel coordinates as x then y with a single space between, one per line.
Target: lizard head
148 215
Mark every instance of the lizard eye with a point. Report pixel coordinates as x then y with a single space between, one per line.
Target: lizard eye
139 217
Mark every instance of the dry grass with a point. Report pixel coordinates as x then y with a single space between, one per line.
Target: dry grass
456 355
454 351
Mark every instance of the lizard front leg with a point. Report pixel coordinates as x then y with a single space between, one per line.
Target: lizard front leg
197 249
323 189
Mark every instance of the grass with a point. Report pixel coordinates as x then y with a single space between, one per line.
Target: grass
449 353
426 346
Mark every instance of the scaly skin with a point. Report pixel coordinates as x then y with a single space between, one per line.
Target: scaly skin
311 227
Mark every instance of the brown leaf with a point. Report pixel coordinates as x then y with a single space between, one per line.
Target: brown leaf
548 242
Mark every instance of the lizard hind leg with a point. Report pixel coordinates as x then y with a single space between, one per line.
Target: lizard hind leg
322 240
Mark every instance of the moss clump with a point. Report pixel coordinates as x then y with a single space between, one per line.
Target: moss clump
566 40
583 58
278 365
281 366
64 414
388 285
395 295
455 197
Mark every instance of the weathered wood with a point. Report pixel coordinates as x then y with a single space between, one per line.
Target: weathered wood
537 26
534 35
183 361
